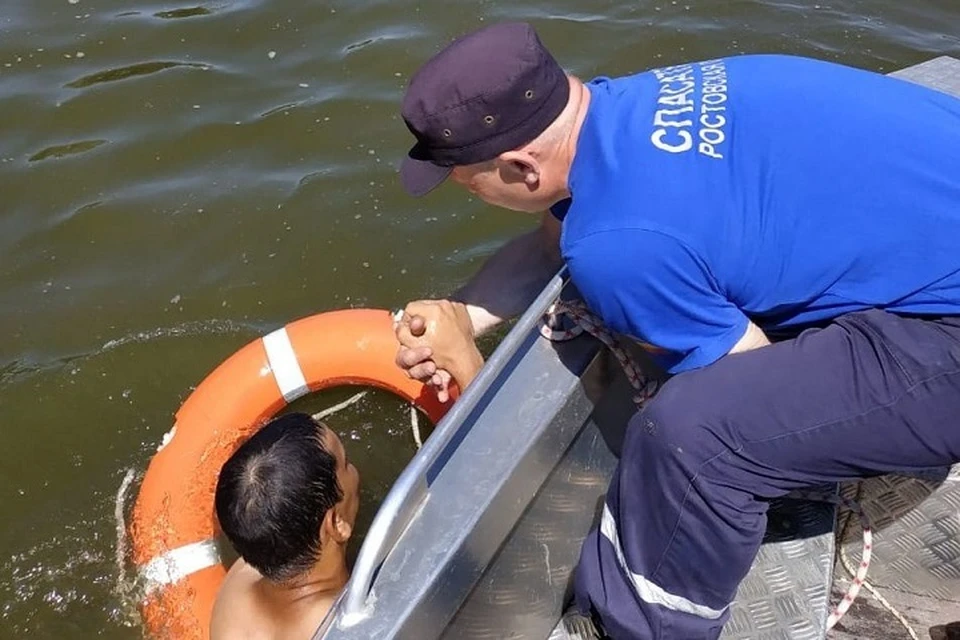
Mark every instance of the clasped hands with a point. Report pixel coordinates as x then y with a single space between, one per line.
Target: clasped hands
437 345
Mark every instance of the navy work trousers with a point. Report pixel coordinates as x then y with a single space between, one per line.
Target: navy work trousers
869 394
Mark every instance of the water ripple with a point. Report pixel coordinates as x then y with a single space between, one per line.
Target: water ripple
63 150
398 32
15 370
130 71
56 574
18 370
188 329
280 108
187 12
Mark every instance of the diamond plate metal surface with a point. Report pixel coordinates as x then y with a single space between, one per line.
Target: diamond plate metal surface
573 626
916 522
916 554
784 597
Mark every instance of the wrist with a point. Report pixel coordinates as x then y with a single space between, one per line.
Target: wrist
464 317
466 368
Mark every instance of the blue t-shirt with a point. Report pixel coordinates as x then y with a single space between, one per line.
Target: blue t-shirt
776 188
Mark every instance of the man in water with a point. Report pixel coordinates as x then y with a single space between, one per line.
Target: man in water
704 208
286 500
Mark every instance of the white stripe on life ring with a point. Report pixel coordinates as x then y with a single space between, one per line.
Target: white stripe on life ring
283 363
177 564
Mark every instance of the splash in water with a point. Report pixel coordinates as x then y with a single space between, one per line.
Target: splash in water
196 328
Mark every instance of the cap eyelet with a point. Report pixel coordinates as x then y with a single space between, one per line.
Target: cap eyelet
489 119
447 133
529 94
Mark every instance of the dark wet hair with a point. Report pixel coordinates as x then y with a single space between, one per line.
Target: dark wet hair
273 493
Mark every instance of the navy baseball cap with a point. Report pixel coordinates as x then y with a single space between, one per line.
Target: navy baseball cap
490 91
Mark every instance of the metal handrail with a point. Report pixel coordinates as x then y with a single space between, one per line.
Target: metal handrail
411 488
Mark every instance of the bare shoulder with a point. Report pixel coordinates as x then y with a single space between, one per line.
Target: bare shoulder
235 611
311 616
248 608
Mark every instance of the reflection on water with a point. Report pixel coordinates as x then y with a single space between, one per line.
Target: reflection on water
179 178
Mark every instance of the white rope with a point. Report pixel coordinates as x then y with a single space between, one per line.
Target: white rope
340 407
414 418
848 566
415 427
845 560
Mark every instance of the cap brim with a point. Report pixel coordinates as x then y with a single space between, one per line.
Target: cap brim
420 177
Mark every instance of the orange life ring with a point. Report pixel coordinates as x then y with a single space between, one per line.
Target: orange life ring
174 526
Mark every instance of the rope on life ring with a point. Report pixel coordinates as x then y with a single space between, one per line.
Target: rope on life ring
173 528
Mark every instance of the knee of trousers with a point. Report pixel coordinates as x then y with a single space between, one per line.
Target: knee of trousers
682 424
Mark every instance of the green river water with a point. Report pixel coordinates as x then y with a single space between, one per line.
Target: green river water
178 179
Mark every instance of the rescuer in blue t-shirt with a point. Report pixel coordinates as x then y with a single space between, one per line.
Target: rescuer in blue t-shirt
707 210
